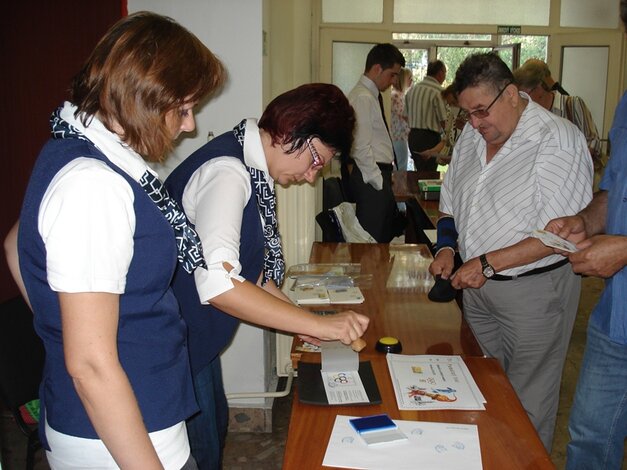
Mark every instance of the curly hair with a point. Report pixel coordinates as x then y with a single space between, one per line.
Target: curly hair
145 66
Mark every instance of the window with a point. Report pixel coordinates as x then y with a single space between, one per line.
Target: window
505 12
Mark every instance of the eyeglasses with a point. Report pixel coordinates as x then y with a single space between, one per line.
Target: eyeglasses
317 161
484 113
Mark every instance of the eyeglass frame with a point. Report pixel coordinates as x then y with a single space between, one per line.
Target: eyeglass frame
317 161
485 112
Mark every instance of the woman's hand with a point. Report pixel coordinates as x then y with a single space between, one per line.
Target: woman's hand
345 326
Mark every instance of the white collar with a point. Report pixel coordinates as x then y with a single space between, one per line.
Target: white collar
109 143
254 155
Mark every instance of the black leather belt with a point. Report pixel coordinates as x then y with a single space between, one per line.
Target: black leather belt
543 269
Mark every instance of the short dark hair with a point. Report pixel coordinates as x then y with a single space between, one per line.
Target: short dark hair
482 69
434 67
145 66
315 109
386 55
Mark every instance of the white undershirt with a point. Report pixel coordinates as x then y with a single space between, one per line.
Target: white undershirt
214 200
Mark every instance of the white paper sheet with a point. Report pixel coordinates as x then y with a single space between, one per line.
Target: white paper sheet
340 375
430 446
432 382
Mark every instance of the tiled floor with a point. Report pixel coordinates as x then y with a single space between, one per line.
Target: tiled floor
264 451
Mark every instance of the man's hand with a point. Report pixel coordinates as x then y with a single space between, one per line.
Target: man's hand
572 228
601 255
470 274
443 264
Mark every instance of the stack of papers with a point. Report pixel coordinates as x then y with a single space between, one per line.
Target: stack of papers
429 446
433 383
319 295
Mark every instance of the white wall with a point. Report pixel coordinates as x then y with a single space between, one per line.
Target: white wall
233 31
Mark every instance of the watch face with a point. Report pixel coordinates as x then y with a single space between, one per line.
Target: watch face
488 271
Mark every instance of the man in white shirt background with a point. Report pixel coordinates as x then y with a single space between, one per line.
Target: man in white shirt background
370 179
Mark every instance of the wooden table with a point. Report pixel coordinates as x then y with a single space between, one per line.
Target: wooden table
405 187
507 437
397 302
405 183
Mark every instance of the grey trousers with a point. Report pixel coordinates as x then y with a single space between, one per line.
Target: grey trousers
526 324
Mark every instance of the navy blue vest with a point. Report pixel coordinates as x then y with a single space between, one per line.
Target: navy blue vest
151 334
210 329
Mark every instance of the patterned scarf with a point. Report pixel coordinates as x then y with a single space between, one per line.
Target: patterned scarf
187 240
273 263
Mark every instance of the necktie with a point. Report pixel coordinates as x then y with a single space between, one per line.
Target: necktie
387 127
383 112
273 263
187 240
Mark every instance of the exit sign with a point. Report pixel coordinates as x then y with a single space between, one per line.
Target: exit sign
509 30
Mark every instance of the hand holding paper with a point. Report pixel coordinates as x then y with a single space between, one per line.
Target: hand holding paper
554 241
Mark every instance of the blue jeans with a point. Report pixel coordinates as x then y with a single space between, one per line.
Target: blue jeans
598 418
207 429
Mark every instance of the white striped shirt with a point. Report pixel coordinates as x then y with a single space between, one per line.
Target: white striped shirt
543 171
424 106
372 143
575 110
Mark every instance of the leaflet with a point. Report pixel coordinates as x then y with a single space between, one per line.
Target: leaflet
425 382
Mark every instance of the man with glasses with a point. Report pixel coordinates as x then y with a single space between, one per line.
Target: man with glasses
515 167
370 172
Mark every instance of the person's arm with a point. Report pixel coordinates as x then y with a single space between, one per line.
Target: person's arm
362 152
90 327
562 187
470 274
600 256
587 223
13 260
440 110
215 200
257 305
443 262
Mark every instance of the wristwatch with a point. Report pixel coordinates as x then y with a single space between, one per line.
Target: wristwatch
486 268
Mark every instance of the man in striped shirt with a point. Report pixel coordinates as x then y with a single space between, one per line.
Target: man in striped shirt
426 113
530 79
515 167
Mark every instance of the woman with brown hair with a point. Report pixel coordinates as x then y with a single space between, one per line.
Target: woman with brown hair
98 243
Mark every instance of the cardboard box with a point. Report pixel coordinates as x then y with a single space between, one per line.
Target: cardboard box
430 189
